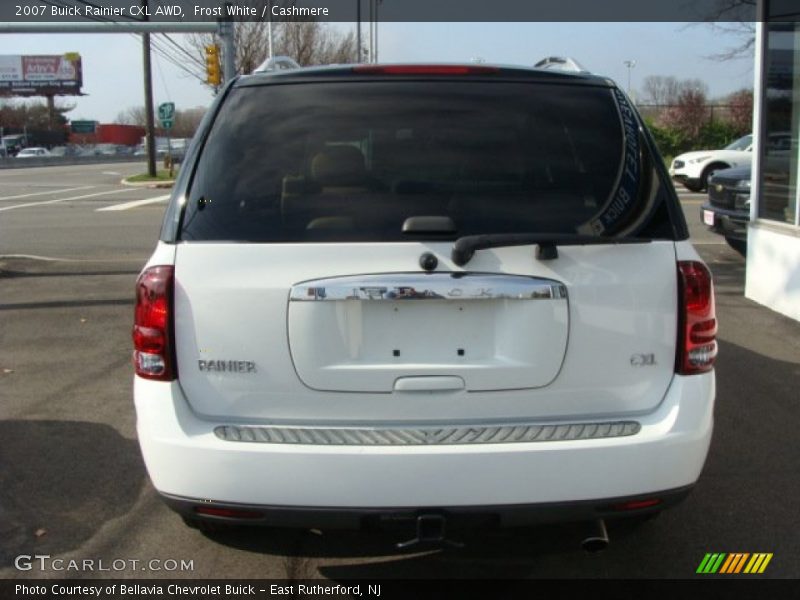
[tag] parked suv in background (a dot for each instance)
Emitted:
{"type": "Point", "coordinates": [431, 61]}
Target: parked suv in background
{"type": "Point", "coordinates": [693, 169]}
{"type": "Point", "coordinates": [416, 293]}
{"type": "Point", "coordinates": [727, 211]}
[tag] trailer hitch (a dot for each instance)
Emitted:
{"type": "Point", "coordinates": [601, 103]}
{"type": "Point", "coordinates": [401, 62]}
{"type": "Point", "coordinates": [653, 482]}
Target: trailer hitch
{"type": "Point", "coordinates": [431, 528]}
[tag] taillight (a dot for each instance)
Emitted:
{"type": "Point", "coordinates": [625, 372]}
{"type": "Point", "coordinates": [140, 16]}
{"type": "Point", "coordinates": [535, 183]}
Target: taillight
{"type": "Point", "coordinates": [697, 322]}
{"type": "Point", "coordinates": [152, 324]}
{"type": "Point", "coordinates": [425, 69]}
{"type": "Point", "coordinates": [636, 504]}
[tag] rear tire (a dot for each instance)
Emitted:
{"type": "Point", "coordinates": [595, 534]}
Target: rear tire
{"type": "Point", "coordinates": [739, 245]}
{"type": "Point", "coordinates": [707, 172]}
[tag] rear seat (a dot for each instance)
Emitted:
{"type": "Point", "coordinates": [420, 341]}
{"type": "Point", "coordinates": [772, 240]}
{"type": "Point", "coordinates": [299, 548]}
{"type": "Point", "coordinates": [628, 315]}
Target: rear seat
{"type": "Point", "coordinates": [337, 179]}
{"type": "Point", "coordinates": [340, 196]}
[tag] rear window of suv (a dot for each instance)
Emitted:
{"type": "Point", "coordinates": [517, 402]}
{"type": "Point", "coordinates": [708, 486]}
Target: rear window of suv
{"type": "Point", "coordinates": [334, 161]}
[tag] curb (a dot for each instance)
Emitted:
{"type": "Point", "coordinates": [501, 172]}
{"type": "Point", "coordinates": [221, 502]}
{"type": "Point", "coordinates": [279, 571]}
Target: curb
{"type": "Point", "coordinates": [148, 184]}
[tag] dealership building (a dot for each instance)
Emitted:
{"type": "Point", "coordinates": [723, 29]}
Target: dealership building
{"type": "Point", "coordinates": [773, 250]}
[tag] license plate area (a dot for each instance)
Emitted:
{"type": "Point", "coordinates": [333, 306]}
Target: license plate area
{"type": "Point", "coordinates": [708, 217]}
{"type": "Point", "coordinates": [437, 332]}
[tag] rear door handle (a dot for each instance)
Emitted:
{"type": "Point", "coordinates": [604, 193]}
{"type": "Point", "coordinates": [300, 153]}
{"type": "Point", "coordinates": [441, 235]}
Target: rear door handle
{"type": "Point", "coordinates": [429, 383]}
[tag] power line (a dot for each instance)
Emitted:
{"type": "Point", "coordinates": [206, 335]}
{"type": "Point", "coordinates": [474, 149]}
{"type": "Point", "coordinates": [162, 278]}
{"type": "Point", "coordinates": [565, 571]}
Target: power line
{"type": "Point", "coordinates": [163, 79]}
{"type": "Point", "coordinates": [183, 50]}
{"type": "Point", "coordinates": [171, 58]}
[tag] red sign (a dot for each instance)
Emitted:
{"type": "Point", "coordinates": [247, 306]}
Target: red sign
{"type": "Point", "coordinates": [40, 75]}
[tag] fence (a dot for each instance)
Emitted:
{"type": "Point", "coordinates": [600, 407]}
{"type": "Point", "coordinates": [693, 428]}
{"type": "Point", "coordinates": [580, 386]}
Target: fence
{"type": "Point", "coordinates": [719, 112]}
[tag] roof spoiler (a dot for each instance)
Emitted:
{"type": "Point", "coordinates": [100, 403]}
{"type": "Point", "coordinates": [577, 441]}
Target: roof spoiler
{"type": "Point", "coordinates": [560, 63]}
{"type": "Point", "coordinates": [277, 63]}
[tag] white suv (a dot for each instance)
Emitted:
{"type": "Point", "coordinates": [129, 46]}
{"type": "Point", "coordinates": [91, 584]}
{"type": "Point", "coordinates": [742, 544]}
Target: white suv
{"type": "Point", "coordinates": [419, 293]}
{"type": "Point", "coordinates": [693, 169]}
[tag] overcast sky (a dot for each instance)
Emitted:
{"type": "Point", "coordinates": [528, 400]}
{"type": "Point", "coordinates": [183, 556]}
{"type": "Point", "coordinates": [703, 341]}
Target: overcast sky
{"type": "Point", "coordinates": [112, 69]}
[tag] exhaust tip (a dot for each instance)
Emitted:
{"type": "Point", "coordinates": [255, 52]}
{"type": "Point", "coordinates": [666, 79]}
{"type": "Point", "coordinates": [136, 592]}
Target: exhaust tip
{"type": "Point", "coordinates": [597, 540]}
{"type": "Point", "coordinates": [593, 545]}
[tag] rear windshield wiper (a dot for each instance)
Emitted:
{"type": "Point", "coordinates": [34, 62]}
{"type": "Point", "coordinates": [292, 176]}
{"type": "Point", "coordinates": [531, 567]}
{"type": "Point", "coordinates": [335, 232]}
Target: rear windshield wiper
{"type": "Point", "coordinates": [464, 248]}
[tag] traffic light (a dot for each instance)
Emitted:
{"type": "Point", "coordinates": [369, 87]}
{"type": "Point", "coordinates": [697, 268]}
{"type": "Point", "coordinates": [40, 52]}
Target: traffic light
{"type": "Point", "coordinates": [213, 76]}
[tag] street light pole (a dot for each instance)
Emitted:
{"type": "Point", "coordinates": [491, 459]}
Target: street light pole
{"type": "Point", "coordinates": [269, 28]}
{"type": "Point", "coordinates": [630, 64]}
{"type": "Point", "coordinates": [377, 20]}
{"type": "Point", "coordinates": [226, 34]}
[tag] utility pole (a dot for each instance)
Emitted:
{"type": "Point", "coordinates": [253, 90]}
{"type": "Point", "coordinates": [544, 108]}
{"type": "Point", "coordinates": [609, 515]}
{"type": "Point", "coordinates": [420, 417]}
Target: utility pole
{"type": "Point", "coordinates": [51, 112]}
{"type": "Point", "coordinates": [148, 101]}
{"type": "Point", "coordinates": [358, 30]}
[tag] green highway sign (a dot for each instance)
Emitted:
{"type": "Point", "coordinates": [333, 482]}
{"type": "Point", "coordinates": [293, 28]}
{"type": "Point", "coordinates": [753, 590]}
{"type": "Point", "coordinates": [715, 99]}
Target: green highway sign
{"type": "Point", "coordinates": [83, 126]}
{"type": "Point", "coordinates": [167, 123]}
{"type": "Point", "coordinates": [166, 111]}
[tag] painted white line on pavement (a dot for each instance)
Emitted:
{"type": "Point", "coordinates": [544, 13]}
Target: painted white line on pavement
{"type": "Point", "coordinates": [134, 203]}
{"type": "Point", "coordinates": [140, 260]}
{"type": "Point", "coordinates": [75, 189]}
{"type": "Point", "coordinates": [57, 200]}
{"type": "Point", "coordinates": [110, 173]}
{"type": "Point", "coordinates": [37, 257]}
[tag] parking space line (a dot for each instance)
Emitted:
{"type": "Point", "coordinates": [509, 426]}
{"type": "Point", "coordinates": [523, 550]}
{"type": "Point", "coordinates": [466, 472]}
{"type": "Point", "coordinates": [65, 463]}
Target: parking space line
{"type": "Point", "coordinates": [57, 200]}
{"type": "Point", "coordinates": [126, 259]}
{"type": "Point", "coordinates": [37, 257]}
{"type": "Point", "coordinates": [134, 203]}
{"type": "Point", "coordinates": [75, 189]}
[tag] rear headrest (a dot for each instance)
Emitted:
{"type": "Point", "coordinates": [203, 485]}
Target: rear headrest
{"type": "Point", "coordinates": [339, 165]}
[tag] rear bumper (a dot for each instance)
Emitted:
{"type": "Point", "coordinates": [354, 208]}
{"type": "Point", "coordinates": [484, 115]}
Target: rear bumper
{"type": "Point", "coordinates": [188, 463]}
{"type": "Point", "coordinates": [504, 515]}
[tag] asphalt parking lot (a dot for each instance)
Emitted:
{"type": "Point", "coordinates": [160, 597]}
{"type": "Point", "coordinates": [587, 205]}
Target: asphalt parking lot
{"type": "Point", "coordinates": [73, 485]}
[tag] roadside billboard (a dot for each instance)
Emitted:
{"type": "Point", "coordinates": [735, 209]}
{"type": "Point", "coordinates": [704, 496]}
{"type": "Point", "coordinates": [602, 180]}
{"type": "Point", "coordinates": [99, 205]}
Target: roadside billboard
{"type": "Point", "coordinates": [40, 75]}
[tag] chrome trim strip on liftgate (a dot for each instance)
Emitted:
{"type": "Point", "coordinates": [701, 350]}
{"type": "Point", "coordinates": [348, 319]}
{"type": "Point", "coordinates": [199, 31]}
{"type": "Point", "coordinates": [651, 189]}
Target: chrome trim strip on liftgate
{"type": "Point", "coordinates": [426, 436]}
{"type": "Point", "coordinates": [430, 286]}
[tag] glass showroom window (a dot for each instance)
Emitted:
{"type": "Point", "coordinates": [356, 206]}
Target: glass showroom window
{"type": "Point", "coordinates": [781, 150]}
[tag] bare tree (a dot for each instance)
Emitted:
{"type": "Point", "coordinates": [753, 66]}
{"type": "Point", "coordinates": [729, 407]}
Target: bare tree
{"type": "Point", "coordinates": [32, 114]}
{"type": "Point", "coordinates": [185, 121]}
{"type": "Point", "coordinates": [662, 91]}
{"type": "Point", "coordinates": [741, 110]}
{"type": "Point", "coordinates": [307, 42]}
{"type": "Point", "coordinates": [135, 115]}
{"type": "Point", "coordinates": [312, 43]}
{"type": "Point", "coordinates": [735, 18]}
{"type": "Point", "coordinates": [688, 115]}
